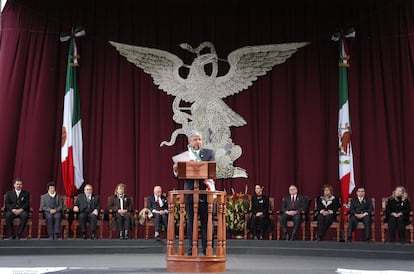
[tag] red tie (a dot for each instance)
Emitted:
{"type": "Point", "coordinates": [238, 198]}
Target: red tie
{"type": "Point", "coordinates": [158, 201]}
{"type": "Point", "coordinates": [293, 201]}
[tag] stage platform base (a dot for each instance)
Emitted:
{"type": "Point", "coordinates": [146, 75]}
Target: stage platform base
{"type": "Point", "coordinates": [253, 247]}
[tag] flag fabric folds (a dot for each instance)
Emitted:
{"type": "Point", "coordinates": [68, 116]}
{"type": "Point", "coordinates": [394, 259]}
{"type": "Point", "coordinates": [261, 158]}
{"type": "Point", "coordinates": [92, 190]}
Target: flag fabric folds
{"type": "Point", "coordinates": [346, 168]}
{"type": "Point", "coordinates": [71, 150]}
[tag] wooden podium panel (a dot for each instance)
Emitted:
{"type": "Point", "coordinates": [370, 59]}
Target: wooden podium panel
{"type": "Point", "coordinates": [197, 170]}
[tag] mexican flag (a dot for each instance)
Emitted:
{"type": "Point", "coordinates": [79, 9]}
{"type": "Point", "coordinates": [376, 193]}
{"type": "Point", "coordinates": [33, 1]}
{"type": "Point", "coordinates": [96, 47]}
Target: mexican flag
{"type": "Point", "coordinates": [71, 151]}
{"type": "Point", "coordinates": [346, 167]}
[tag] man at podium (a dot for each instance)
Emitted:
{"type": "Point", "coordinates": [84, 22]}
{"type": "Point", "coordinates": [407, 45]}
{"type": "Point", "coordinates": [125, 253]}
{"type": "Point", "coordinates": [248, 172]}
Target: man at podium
{"type": "Point", "coordinates": [196, 153]}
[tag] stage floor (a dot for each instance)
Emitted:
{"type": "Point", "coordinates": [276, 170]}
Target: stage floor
{"type": "Point", "coordinates": [236, 263]}
{"type": "Point", "coordinates": [148, 256]}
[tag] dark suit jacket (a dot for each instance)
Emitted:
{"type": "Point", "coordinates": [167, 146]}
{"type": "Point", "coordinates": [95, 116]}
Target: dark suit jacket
{"type": "Point", "coordinates": [261, 205]}
{"type": "Point", "coordinates": [330, 205]}
{"type": "Point", "coordinates": [46, 201]}
{"type": "Point", "coordinates": [205, 155]}
{"type": "Point", "coordinates": [398, 206]}
{"type": "Point", "coordinates": [301, 204]}
{"type": "Point", "coordinates": [356, 207]}
{"type": "Point", "coordinates": [153, 205]}
{"type": "Point", "coordinates": [114, 203]}
{"type": "Point", "coordinates": [83, 205]}
{"type": "Point", "coordinates": [12, 202]}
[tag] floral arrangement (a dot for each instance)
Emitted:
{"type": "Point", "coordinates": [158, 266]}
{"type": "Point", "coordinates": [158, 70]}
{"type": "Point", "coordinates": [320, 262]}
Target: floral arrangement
{"type": "Point", "coordinates": [177, 215]}
{"type": "Point", "coordinates": [237, 206]}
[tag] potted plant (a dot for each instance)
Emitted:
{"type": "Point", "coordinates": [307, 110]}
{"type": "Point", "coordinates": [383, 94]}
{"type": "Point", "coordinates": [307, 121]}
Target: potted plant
{"type": "Point", "coordinates": [237, 206]}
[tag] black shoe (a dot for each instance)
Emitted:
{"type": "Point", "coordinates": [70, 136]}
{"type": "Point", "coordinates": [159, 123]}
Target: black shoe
{"type": "Point", "coordinates": [190, 252]}
{"type": "Point", "coordinates": [349, 240]}
{"type": "Point", "coordinates": [84, 236]}
{"type": "Point", "coordinates": [157, 238]}
{"type": "Point", "coordinates": [12, 237]}
{"type": "Point", "coordinates": [51, 237]}
{"type": "Point", "coordinates": [318, 238]}
{"type": "Point", "coordinates": [254, 237]}
{"type": "Point", "coordinates": [204, 252]}
{"type": "Point", "coordinates": [286, 237]}
{"type": "Point", "coordinates": [261, 237]}
{"type": "Point", "coordinates": [56, 236]}
{"type": "Point", "coordinates": [18, 237]}
{"type": "Point", "coordinates": [93, 236]}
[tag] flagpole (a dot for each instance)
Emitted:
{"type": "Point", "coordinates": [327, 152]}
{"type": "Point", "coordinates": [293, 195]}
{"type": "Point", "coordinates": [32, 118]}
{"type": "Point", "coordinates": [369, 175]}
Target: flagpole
{"type": "Point", "coordinates": [345, 156]}
{"type": "Point", "coordinates": [72, 145]}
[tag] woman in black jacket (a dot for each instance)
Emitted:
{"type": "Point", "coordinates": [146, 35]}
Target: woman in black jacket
{"type": "Point", "coordinates": [326, 207]}
{"type": "Point", "coordinates": [398, 213]}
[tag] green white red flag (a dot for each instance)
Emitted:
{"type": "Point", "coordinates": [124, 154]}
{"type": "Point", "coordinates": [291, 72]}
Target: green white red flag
{"type": "Point", "coordinates": [71, 151]}
{"type": "Point", "coordinates": [346, 167]}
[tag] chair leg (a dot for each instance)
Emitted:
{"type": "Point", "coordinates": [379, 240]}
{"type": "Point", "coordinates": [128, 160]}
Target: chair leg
{"type": "Point", "coordinates": [146, 232]}
{"type": "Point", "coordinates": [101, 231]}
{"type": "Point", "coordinates": [65, 232]}
{"type": "Point", "coordinates": [30, 231]}
{"type": "Point", "coordinates": [39, 230]}
{"type": "Point", "coordinates": [373, 233]}
{"type": "Point", "coordinates": [278, 232]}
{"type": "Point", "coordinates": [338, 233]}
{"type": "Point", "coordinates": [303, 233]}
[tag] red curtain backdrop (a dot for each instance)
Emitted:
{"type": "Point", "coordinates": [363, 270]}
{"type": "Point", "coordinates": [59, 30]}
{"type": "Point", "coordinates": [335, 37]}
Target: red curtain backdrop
{"type": "Point", "coordinates": [291, 112]}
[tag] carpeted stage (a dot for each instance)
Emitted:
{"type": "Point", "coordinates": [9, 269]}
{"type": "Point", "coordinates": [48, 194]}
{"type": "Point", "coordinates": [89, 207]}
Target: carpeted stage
{"type": "Point", "coordinates": [253, 247]}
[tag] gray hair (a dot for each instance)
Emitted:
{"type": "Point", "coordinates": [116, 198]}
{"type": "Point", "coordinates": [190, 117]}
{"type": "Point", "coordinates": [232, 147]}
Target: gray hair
{"type": "Point", "coordinates": [194, 133]}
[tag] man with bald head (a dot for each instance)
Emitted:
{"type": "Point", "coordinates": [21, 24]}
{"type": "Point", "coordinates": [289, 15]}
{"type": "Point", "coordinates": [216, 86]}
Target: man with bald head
{"type": "Point", "coordinates": [158, 205]}
{"type": "Point", "coordinates": [87, 205]}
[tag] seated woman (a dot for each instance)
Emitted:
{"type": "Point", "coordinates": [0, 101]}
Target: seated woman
{"type": "Point", "coordinates": [326, 207]}
{"type": "Point", "coordinates": [122, 208]}
{"type": "Point", "coordinates": [51, 204]}
{"type": "Point", "coordinates": [260, 213]}
{"type": "Point", "coordinates": [397, 213]}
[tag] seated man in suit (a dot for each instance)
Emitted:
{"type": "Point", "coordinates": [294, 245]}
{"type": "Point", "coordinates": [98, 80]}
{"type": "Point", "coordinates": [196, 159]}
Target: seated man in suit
{"type": "Point", "coordinates": [122, 209]}
{"type": "Point", "coordinates": [17, 204]}
{"type": "Point", "coordinates": [158, 205]}
{"type": "Point", "coordinates": [360, 210]}
{"type": "Point", "coordinates": [88, 206]}
{"type": "Point", "coordinates": [292, 206]}
{"type": "Point", "coordinates": [51, 204]}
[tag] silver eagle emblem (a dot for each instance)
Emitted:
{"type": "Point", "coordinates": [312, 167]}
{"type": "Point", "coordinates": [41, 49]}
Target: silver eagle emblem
{"type": "Point", "coordinates": [198, 103]}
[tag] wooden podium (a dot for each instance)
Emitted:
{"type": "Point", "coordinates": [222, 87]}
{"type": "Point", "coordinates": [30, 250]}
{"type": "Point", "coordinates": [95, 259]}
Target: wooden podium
{"type": "Point", "coordinates": [215, 258]}
{"type": "Point", "coordinates": [197, 171]}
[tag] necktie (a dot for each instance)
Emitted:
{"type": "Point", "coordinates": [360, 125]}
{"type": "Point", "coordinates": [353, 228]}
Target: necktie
{"type": "Point", "coordinates": [293, 201]}
{"type": "Point", "coordinates": [158, 201]}
{"type": "Point", "coordinates": [121, 202]}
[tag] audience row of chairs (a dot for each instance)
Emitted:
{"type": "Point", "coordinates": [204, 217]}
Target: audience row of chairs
{"type": "Point", "coordinates": [70, 219]}
{"type": "Point", "coordinates": [308, 224]}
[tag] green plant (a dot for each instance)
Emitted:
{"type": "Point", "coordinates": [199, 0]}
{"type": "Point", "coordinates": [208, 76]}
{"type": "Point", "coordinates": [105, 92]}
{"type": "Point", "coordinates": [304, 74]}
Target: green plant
{"type": "Point", "coordinates": [236, 208]}
{"type": "Point", "coordinates": [177, 214]}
